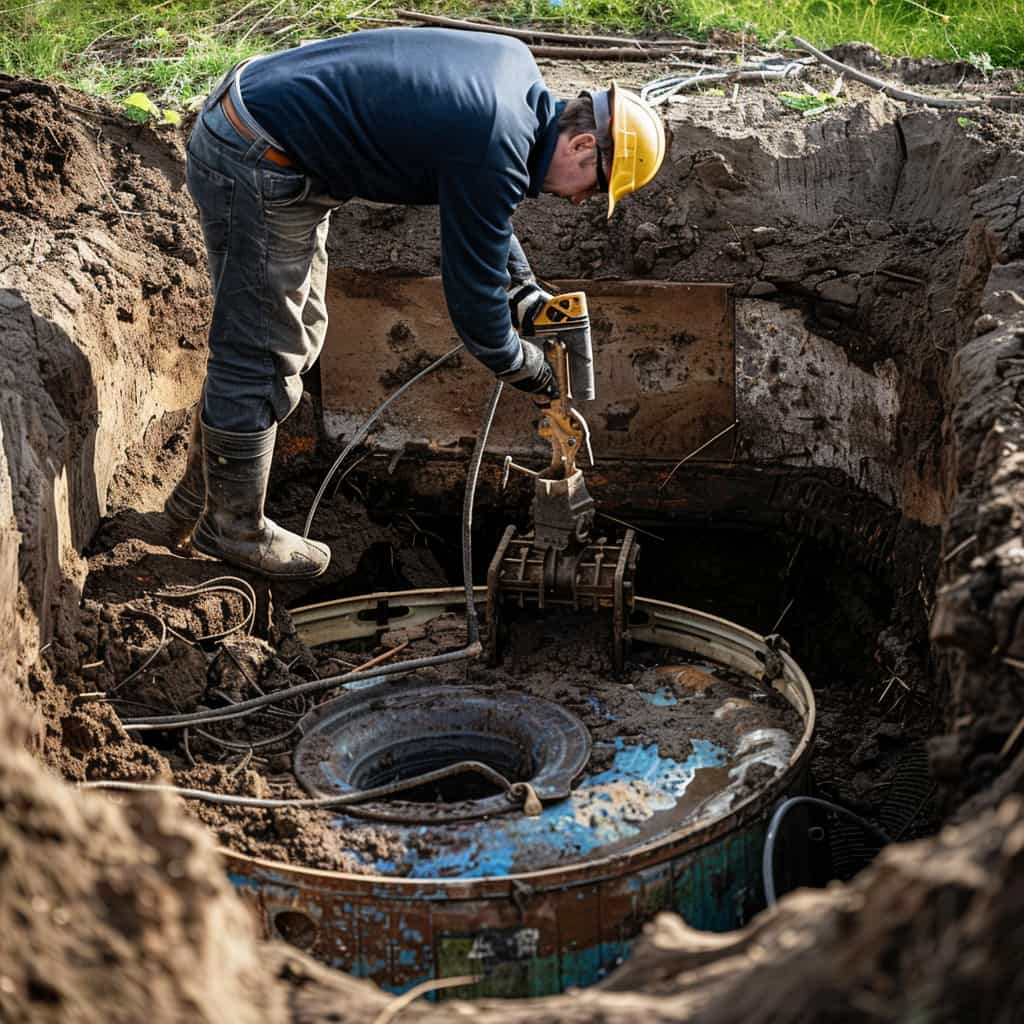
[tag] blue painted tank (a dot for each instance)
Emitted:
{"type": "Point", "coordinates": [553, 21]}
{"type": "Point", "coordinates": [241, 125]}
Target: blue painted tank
{"type": "Point", "coordinates": [534, 905]}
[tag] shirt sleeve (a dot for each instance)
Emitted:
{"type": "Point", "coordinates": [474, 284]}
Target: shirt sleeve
{"type": "Point", "coordinates": [519, 269]}
{"type": "Point", "coordinates": [476, 208]}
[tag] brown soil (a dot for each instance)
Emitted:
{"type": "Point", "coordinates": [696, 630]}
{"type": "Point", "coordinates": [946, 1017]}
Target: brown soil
{"type": "Point", "coordinates": [119, 909]}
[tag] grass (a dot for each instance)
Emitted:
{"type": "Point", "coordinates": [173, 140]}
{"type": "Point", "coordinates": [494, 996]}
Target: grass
{"type": "Point", "coordinates": [173, 50]}
{"type": "Point", "coordinates": [989, 32]}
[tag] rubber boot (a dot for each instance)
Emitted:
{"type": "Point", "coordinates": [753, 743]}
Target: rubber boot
{"type": "Point", "coordinates": [233, 527]}
{"type": "Point", "coordinates": [185, 504]}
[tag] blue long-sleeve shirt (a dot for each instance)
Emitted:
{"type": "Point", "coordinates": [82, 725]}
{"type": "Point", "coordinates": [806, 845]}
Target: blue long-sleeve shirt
{"type": "Point", "coordinates": [424, 116]}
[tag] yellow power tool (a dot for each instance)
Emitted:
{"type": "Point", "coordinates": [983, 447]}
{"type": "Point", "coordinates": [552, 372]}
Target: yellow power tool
{"type": "Point", "coordinates": [564, 326]}
{"type": "Point", "coordinates": [557, 563]}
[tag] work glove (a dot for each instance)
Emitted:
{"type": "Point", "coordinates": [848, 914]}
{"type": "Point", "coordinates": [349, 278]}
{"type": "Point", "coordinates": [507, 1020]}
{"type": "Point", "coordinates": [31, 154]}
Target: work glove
{"type": "Point", "coordinates": [534, 375]}
{"type": "Point", "coordinates": [525, 301]}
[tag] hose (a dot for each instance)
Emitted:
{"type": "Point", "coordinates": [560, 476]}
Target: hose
{"type": "Point", "coordinates": [346, 800]}
{"type": "Point", "coordinates": [471, 650]}
{"type": "Point", "coordinates": [768, 857]}
{"type": "Point", "coordinates": [361, 433]}
{"type": "Point", "coordinates": [663, 89]}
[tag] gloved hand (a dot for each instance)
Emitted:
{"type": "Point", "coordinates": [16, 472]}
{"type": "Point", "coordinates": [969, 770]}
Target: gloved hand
{"type": "Point", "coordinates": [525, 301]}
{"type": "Point", "coordinates": [534, 375]}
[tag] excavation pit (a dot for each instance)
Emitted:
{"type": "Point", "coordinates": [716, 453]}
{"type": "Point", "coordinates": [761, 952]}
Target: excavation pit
{"type": "Point", "coordinates": [873, 262]}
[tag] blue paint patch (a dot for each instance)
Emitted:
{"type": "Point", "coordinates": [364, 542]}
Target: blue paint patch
{"type": "Point", "coordinates": [661, 698]}
{"type": "Point", "coordinates": [362, 684]}
{"type": "Point", "coordinates": [607, 808]}
{"type": "Point", "coordinates": [598, 707]}
{"type": "Point", "coordinates": [362, 967]}
{"type": "Point", "coordinates": [244, 881]}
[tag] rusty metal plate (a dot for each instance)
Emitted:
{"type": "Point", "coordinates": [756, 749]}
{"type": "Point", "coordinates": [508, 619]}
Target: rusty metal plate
{"type": "Point", "coordinates": [665, 359]}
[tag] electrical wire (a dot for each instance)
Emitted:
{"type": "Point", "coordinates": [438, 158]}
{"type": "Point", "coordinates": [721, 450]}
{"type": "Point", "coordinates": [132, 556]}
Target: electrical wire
{"type": "Point", "coordinates": [152, 657]}
{"type": "Point", "coordinates": [346, 800]}
{"type": "Point", "coordinates": [244, 590]}
{"type": "Point", "coordinates": [361, 433]}
{"type": "Point", "coordinates": [252, 744]}
{"type": "Point", "coordinates": [215, 585]}
{"type": "Point", "coordinates": [663, 89]}
{"type": "Point", "coordinates": [768, 857]}
{"type": "Point", "coordinates": [471, 650]}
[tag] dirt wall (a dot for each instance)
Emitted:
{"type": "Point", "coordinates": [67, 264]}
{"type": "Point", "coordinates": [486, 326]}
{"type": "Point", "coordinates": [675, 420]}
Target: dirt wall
{"type": "Point", "coordinates": [851, 233]}
{"type": "Point", "coordinates": [103, 294]}
{"type": "Point", "coordinates": [107, 912]}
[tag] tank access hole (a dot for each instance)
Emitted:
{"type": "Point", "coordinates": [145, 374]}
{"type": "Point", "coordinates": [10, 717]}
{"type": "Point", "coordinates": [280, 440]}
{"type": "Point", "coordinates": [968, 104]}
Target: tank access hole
{"type": "Point", "coordinates": [377, 735]}
{"type": "Point", "coordinates": [409, 759]}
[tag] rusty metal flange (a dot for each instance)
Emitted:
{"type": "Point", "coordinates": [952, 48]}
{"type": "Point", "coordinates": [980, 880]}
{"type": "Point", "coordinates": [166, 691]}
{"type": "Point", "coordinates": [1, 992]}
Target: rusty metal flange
{"type": "Point", "coordinates": [397, 730]}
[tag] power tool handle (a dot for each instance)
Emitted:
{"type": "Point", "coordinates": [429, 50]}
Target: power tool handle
{"type": "Point", "coordinates": [581, 365]}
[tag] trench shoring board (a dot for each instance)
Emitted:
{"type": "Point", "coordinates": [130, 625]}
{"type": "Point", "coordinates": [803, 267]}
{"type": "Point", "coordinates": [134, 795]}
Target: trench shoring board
{"type": "Point", "coordinates": [664, 355]}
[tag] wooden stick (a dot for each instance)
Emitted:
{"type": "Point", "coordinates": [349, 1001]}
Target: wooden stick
{"type": "Point", "coordinates": [110, 195]}
{"type": "Point", "coordinates": [527, 33]}
{"type": "Point", "coordinates": [373, 662]}
{"type": "Point", "coordinates": [597, 53]}
{"type": "Point", "coordinates": [1011, 740]}
{"type": "Point", "coordinates": [901, 277]}
{"type": "Point", "coordinates": [1011, 103]}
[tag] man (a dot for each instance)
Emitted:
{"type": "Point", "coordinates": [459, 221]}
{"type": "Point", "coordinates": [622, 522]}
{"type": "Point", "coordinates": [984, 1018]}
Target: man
{"type": "Point", "coordinates": [420, 116]}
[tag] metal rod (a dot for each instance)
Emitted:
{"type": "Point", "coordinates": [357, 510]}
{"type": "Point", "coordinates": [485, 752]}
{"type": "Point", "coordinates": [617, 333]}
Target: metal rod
{"type": "Point", "coordinates": [697, 451]}
{"type": "Point", "coordinates": [778, 621]}
{"type": "Point", "coordinates": [636, 529]}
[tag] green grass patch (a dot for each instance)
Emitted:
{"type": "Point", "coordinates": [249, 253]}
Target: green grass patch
{"type": "Point", "coordinates": [173, 50]}
{"type": "Point", "coordinates": [986, 31]}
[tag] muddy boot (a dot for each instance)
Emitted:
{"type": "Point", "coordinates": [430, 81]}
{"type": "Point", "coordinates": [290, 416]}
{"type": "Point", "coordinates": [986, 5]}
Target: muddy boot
{"type": "Point", "coordinates": [233, 527]}
{"type": "Point", "coordinates": [185, 504]}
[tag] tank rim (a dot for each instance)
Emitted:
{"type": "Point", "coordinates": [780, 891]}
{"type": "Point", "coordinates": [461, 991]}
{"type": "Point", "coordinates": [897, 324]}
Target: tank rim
{"type": "Point", "coordinates": [653, 621]}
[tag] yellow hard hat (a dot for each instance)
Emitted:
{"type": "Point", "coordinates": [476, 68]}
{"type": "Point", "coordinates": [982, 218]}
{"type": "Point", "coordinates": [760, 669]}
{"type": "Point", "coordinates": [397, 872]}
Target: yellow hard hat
{"type": "Point", "coordinates": [637, 137]}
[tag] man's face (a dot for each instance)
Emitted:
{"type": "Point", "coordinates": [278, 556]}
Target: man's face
{"type": "Point", "coordinates": [573, 169]}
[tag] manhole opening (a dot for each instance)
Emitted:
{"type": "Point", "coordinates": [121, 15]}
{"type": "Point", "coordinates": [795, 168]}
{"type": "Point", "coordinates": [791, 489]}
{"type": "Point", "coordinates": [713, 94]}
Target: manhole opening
{"type": "Point", "coordinates": [412, 757]}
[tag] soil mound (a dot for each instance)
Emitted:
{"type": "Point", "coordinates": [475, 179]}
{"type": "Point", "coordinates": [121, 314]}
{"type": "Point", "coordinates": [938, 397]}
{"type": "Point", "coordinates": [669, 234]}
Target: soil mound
{"type": "Point", "coordinates": [108, 911]}
{"type": "Point", "coordinates": [114, 912]}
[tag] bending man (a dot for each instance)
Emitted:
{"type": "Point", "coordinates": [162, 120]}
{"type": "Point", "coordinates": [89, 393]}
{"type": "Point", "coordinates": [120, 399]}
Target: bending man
{"type": "Point", "coordinates": [462, 120]}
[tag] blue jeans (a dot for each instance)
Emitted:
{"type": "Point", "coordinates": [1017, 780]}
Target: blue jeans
{"type": "Point", "coordinates": [265, 228]}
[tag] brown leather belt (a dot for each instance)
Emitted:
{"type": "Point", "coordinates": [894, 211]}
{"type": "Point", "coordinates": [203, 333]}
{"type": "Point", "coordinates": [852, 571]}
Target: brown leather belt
{"type": "Point", "coordinates": [272, 154]}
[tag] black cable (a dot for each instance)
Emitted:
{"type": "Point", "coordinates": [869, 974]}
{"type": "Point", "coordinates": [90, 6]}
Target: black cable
{"type": "Point", "coordinates": [345, 800]}
{"type": "Point", "coordinates": [471, 650]}
{"type": "Point", "coordinates": [472, 476]}
{"type": "Point", "coordinates": [358, 436]}
{"type": "Point", "coordinates": [768, 857]}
